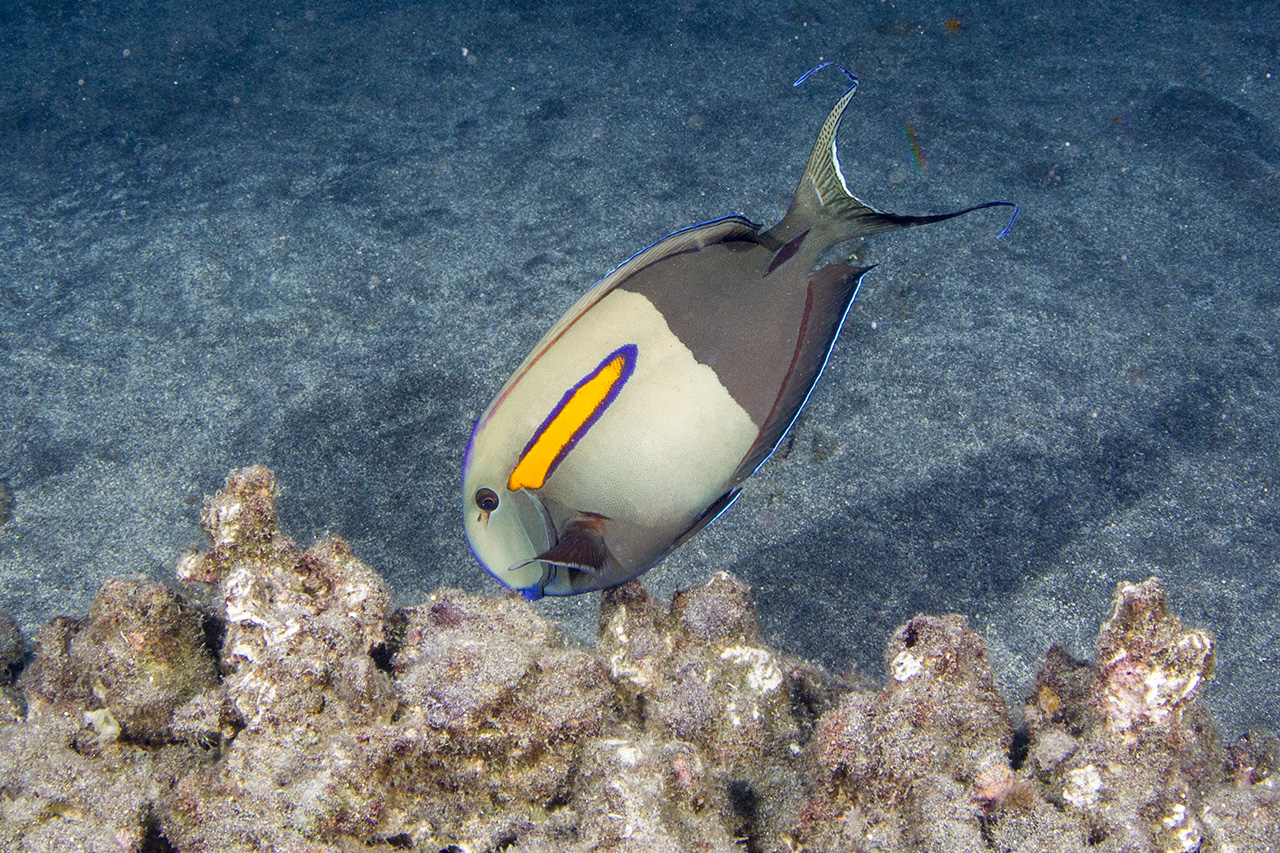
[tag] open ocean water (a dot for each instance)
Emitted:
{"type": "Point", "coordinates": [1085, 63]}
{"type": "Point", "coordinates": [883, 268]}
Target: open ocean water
{"type": "Point", "coordinates": [319, 236]}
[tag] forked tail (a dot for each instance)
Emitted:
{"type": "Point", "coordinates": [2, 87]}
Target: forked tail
{"type": "Point", "coordinates": [824, 199]}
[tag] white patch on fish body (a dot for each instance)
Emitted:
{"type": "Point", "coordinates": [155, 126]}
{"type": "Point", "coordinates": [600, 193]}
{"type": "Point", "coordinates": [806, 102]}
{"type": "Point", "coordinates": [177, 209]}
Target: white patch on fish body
{"type": "Point", "coordinates": [670, 440]}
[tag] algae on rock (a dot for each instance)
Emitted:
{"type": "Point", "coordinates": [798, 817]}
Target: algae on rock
{"type": "Point", "coordinates": [279, 704]}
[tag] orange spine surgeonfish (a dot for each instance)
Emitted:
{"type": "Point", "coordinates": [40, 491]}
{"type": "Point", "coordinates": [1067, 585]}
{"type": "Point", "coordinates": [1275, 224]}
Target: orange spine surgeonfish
{"type": "Point", "coordinates": [635, 419]}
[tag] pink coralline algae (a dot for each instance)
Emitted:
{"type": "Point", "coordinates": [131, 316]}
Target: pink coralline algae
{"type": "Point", "coordinates": [279, 703]}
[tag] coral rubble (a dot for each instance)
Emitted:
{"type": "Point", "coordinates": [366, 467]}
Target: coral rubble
{"type": "Point", "coordinates": [278, 703]}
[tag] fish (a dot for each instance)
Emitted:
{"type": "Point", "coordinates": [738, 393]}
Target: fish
{"type": "Point", "coordinates": [634, 421]}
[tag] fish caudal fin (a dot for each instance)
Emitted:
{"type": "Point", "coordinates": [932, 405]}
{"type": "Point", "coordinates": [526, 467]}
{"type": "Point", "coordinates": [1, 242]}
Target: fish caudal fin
{"type": "Point", "coordinates": [823, 198]}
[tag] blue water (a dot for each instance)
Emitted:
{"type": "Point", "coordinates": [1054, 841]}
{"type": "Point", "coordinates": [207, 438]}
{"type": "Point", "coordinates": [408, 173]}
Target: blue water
{"type": "Point", "coordinates": [318, 236]}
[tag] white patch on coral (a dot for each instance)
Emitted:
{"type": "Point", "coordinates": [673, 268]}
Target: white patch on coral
{"type": "Point", "coordinates": [1185, 834]}
{"type": "Point", "coordinates": [764, 675]}
{"type": "Point", "coordinates": [1177, 816]}
{"type": "Point", "coordinates": [1153, 695]}
{"type": "Point", "coordinates": [225, 521]}
{"type": "Point", "coordinates": [1120, 655]}
{"type": "Point", "coordinates": [630, 755]}
{"type": "Point", "coordinates": [189, 565]}
{"type": "Point", "coordinates": [617, 623]}
{"type": "Point", "coordinates": [1082, 786]}
{"type": "Point", "coordinates": [102, 722]}
{"type": "Point", "coordinates": [905, 666]}
{"type": "Point", "coordinates": [622, 666]}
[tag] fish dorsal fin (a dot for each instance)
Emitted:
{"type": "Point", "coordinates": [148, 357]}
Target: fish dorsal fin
{"type": "Point", "coordinates": [727, 229]}
{"type": "Point", "coordinates": [831, 291]}
{"type": "Point", "coordinates": [581, 546]}
{"type": "Point", "coordinates": [691, 239]}
{"type": "Point", "coordinates": [823, 199]}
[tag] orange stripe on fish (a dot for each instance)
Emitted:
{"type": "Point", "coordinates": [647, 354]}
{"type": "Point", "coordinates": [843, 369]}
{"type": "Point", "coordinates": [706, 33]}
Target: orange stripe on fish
{"type": "Point", "coordinates": [580, 407]}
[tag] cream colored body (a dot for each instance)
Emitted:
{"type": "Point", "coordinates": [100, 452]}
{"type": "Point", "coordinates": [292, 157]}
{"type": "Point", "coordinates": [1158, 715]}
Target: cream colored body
{"type": "Point", "coordinates": [647, 461]}
{"type": "Point", "coordinates": [634, 420]}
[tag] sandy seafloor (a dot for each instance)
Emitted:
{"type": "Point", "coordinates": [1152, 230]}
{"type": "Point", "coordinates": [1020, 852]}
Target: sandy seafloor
{"type": "Point", "coordinates": [318, 236]}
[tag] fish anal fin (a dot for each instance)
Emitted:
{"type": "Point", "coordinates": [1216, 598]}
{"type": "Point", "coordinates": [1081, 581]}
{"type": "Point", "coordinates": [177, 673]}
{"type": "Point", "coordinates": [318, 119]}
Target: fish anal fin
{"type": "Point", "coordinates": [831, 291]}
{"type": "Point", "coordinates": [710, 514]}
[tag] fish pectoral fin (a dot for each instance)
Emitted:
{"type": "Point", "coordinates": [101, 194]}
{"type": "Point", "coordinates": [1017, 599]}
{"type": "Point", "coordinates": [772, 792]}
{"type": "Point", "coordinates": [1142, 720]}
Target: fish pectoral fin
{"type": "Point", "coordinates": [581, 546]}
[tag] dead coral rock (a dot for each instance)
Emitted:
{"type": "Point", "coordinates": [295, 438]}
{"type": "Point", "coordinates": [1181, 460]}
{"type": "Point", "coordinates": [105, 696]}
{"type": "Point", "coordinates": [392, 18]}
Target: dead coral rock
{"type": "Point", "coordinates": [240, 520]}
{"type": "Point", "coordinates": [1242, 820]}
{"type": "Point", "coordinates": [1058, 710]}
{"type": "Point", "coordinates": [142, 654]}
{"type": "Point", "coordinates": [270, 591]}
{"type": "Point", "coordinates": [938, 733]}
{"type": "Point", "coordinates": [51, 683]}
{"type": "Point", "coordinates": [700, 672]}
{"type": "Point", "coordinates": [467, 723]}
{"type": "Point", "coordinates": [1151, 669]}
{"type": "Point", "coordinates": [1121, 745]}
{"type": "Point", "coordinates": [1026, 823]}
{"type": "Point", "coordinates": [474, 735]}
{"type": "Point", "coordinates": [311, 761]}
{"type": "Point", "coordinates": [206, 720]}
{"type": "Point", "coordinates": [940, 714]}
{"type": "Point", "coordinates": [720, 611]}
{"type": "Point", "coordinates": [500, 710]}
{"type": "Point", "coordinates": [463, 655]}
{"type": "Point", "coordinates": [1062, 692]}
{"type": "Point", "coordinates": [59, 796]}
{"type": "Point", "coordinates": [944, 817]}
{"type": "Point", "coordinates": [639, 795]}
{"type": "Point", "coordinates": [127, 667]}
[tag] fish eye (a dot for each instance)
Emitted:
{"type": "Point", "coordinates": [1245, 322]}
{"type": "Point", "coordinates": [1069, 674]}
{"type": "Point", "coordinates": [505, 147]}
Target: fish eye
{"type": "Point", "coordinates": [486, 499]}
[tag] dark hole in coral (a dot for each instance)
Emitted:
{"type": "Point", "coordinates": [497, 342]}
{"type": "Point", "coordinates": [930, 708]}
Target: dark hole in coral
{"type": "Point", "coordinates": [215, 631]}
{"type": "Point", "coordinates": [452, 848]}
{"type": "Point", "coordinates": [1097, 835]}
{"type": "Point", "coordinates": [503, 842]}
{"type": "Point", "coordinates": [561, 799]}
{"type": "Point", "coordinates": [807, 703]}
{"type": "Point", "coordinates": [155, 842]}
{"type": "Point", "coordinates": [401, 841]}
{"type": "Point", "coordinates": [382, 657]}
{"type": "Point", "coordinates": [10, 673]}
{"type": "Point", "coordinates": [987, 828]}
{"type": "Point", "coordinates": [742, 799]}
{"type": "Point", "coordinates": [1019, 749]}
{"type": "Point", "coordinates": [909, 636]}
{"type": "Point", "coordinates": [384, 654]}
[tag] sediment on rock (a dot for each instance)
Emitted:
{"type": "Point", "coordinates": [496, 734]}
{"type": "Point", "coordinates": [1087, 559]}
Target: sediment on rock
{"type": "Point", "coordinates": [277, 702]}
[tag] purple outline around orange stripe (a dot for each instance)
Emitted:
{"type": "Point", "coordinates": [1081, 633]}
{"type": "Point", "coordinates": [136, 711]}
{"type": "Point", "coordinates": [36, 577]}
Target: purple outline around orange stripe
{"type": "Point", "coordinates": [628, 354]}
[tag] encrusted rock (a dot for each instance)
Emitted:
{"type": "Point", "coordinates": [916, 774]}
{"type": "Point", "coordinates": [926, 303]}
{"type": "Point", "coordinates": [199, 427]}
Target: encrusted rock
{"type": "Point", "coordinates": [298, 714]}
{"type": "Point", "coordinates": [1151, 670]}
{"type": "Point", "coordinates": [636, 794]}
{"type": "Point", "coordinates": [701, 673]}
{"type": "Point", "coordinates": [127, 667]}
{"type": "Point", "coordinates": [13, 649]}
